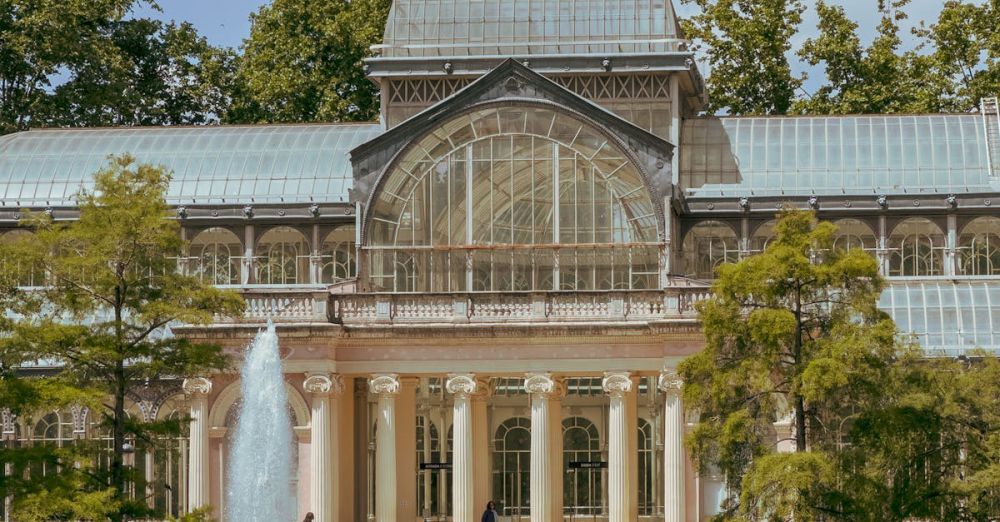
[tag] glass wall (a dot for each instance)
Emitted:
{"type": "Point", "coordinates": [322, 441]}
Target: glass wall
{"type": "Point", "coordinates": [513, 199]}
{"type": "Point", "coordinates": [916, 248]}
{"type": "Point", "coordinates": [979, 247]}
{"type": "Point", "coordinates": [215, 256]}
{"type": "Point", "coordinates": [708, 245]}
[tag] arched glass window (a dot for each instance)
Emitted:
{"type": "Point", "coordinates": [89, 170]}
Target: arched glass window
{"type": "Point", "coordinates": [169, 456]}
{"type": "Point", "coordinates": [707, 246]}
{"type": "Point", "coordinates": [215, 257]}
{"type": "Point", "coordinates": [581, 485]}
{"type": "Point", "coordinates": [26, 275]}
{"type": "Point", "coordinates": [282, 258]}
{"type": "Point", "coordinates": [647, 482]}
{"type": "Point", "coordinates": [338, 256]}
{"type": "Point", "coordinates": [852, 234]}
{"type": "Point", "coordinates": [979, 247]}
{"type": "Point", "coordinates": [511, 466]}
{"type": "Point", "coordinates": [916, 248]}
{"type": "Point", "coordinates": [428, 480]}
{"type": "Point", "coordinates": [497, 199]}
{"type": "Point", "coordinates": [762, 236]}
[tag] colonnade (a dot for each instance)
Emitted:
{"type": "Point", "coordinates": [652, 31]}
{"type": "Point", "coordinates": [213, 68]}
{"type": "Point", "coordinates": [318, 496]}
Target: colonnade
{"type": "Point", "coordinates": [470, 467]}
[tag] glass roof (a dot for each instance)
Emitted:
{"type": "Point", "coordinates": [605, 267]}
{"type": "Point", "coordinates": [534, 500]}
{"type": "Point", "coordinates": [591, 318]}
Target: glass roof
{"type": "Point", "coordinates": [528, 27]}
{"type": "Point", "coordinates": [210, 165]}
{"type": "Point", "coordinates": [943, 153]}
{"type": "Point", "coordinates": [947, 317]}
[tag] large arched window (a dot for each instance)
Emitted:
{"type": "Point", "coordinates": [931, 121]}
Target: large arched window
{"type": "Point", "coordinates": [707, 246]}
{"type": "Point", "coordinates": [647, 481]}
{"type": "Point", "coordinates": [512, 199]}
{"type": "Point", "coordinates": [511, 466]}
{"type": "Point", "coordinates": [338, 256]}
{"type": "Point", "coordinates": [979, 247]}
{"type": "Point", "coordinates": [429, 478]}
{"type": "Point", "coordinates": [916, 248]}
{"type": "Point", "coordinates": [762, 236]}
{"type": "Point", "coordinates": [215, 257]}
{"type": "Point", "coordinates": [581, 483]}
{"type": "Point", "coordinates": [282, 257]}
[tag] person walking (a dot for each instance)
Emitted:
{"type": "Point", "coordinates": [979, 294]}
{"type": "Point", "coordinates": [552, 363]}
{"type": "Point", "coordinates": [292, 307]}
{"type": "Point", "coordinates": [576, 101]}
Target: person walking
{"type": "Point", "coordinates": [309, 517]}
{"type": "Point", "coordinates": [491, 515]}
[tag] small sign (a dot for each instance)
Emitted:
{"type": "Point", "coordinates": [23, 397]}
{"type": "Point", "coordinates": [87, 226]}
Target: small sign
{"type": "Point", "coordinates": [588, 464]}
{"type": "Point", "coordinates": [435, 465]}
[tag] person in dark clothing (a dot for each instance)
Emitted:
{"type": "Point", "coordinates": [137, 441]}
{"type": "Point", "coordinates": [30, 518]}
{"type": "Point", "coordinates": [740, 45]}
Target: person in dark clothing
{"type": "Point", "coordinates": [491, 515]}
{"type": "Point", "coordinates": [309, 517]}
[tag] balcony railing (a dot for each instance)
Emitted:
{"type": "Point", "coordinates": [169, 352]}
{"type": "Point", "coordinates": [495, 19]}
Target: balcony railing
{"type": "Point", "coordinates": [513, 307]}
{"type": "Point", "coordinates": [282, 305]}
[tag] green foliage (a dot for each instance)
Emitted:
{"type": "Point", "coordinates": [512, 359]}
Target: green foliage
{"type": "Point", "coordinates": [85, 62]}
{"type": "Point", "coordinates": [303, 62]}
{"type": "Point", "coordinates": [112, 288]}
{"type": "Point", "coordinates": [881, 432]}
{"type": "Point", "coordinates": [747, 44]}
{"type": "Point", "coordinates": [966, 51]}
{"type": "Point", "coordinates": [875, 79]}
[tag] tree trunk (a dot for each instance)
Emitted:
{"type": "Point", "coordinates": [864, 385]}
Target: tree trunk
{"type": "Point", "coordinates": [800, 408]}
{"type": "Point", "coordinates": [118, 429]}
{"type": "Point", "coordinates": [800, 423]}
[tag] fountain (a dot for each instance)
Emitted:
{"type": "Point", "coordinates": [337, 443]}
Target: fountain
{"type": "Point", "coordinates": [260, 464]}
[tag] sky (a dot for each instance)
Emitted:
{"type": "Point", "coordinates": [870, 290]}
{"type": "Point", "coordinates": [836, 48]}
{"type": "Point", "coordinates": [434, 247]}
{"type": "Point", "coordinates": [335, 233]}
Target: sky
{"type": "Point", "coordinates": [227, 23]}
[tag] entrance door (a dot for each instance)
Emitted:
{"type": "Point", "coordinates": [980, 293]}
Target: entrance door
{"type": "Point", "coordinates": [511, 468]}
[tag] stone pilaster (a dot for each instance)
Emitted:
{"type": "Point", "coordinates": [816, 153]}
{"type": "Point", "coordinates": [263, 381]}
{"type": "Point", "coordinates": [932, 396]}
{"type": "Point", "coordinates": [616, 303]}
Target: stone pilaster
{"type": "Point", "coordinates": [617, 385]}
{"type": "Point", "coordinates": [673, 447]}
{"type": "Point", "coordinates": [462, 387]}
{"type": "Point", "coordinates": [197, 390]}
{"type": "Point", "coordinates": [385, 387]}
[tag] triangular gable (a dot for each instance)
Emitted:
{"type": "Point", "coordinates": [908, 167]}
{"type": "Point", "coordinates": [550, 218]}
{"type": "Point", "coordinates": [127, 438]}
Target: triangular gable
{"type": "Point", "coordinates": [511, 82]}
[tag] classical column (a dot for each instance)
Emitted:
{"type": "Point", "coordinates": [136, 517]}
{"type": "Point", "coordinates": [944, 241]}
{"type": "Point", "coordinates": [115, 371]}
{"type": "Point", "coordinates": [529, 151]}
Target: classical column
{"type": "Point", "coordinates": [480, 445]}
{"type": "Point", "coordinates": [197, 390]}
{"type": "Point", "coordinates": [462, 386]}
{"type": "Point", "coordinates": [673, 447]}
{"type": "Point", "coordinates": [539, 386]}
{"type": "Point", "coordinates": [617, 385]}
{"type": "Point", "coordinates": [385, 387]}
{"type": "Point", "coordinates": [322, 489]}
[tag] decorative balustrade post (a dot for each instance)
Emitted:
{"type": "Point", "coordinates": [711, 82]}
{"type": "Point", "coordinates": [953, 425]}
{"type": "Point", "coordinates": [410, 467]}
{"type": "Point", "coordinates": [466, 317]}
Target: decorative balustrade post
{"type": "Point", "coordinates": [617, 385]}
{"type": "Point", "coordinates": [197, 390]}
{"type": "Point", "coordinates": [385, 387]}
{"type": "Point", "coordinates": [673, 447]}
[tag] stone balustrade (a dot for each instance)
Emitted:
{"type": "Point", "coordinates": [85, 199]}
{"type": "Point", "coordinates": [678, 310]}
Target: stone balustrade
{"type": "Point", "coordinates": [282, 305]}
{"type": "Point", "coordinates": [513, 307]}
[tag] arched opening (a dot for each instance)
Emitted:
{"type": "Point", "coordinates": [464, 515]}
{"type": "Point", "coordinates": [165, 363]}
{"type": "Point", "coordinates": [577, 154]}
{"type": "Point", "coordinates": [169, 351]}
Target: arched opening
{"type": "Point", "coordinates": [707, 246]}
{"type": "Point", "coordinates": [512, 199]}
{"type": "Point", "coordinates": [430, 479]}
{"type": "Point", "coordinates": [916, 249]}
{"type": "Point", "coordinates": [511, 466]}
{"type": "Point", "coordinates": [979, 247]}
{"type": "Point", "coordinates": [26, 274]}
{"type": "Point", "coordinates": [338, 256]}
{"type": "Point", "coordinates": [282, 258]}
{"type": "Point", "coordinates": [215, 256]}
{"type": "Point", "coordinates": [647, 480]}
{"type": "Point", "coordinates": [581, 483]}
{"type": "Point", "coordinates": [853, 234]}
{"type": "Point", "coordinates": [762, 236]}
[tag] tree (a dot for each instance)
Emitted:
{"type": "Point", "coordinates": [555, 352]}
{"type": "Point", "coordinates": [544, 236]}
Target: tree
{"type": "Point", "coordinates": [303, 62]}
{"type": "Point", "coordinates": [85, 63]}
{"type": "Point", "coordinates": [877, 79]}
{"type": "Point", "coordinates": [146, 73]}
{"type": "Point", "coordinates": [748, 42]}
{"type": "Point", "coordinates": [792, 333]}
{"type": "Point", "coordinates": [112, 289]}
{"type": "Point", "coordinates": [966, 43]}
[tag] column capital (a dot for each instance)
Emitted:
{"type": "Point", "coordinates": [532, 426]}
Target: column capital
{"type": "Point", "coordinates": [197, 386]}
{"type": "Point", "coordinates": [323, 384]}
{"type": "Point", "coordinates": [540, 384]}
{"type": "Point", "coordinates": [670, 381]}
{"type": "Point", "coordinates": [462, 385]}
{"type": "Point", "coordinates": [385, 384]}
{"type": "Point", "coordinates": [617, 384]}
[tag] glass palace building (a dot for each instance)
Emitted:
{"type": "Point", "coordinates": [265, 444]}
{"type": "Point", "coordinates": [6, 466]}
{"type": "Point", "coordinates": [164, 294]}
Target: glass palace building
{"type": "Point", "coordinates": [484, 295]}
